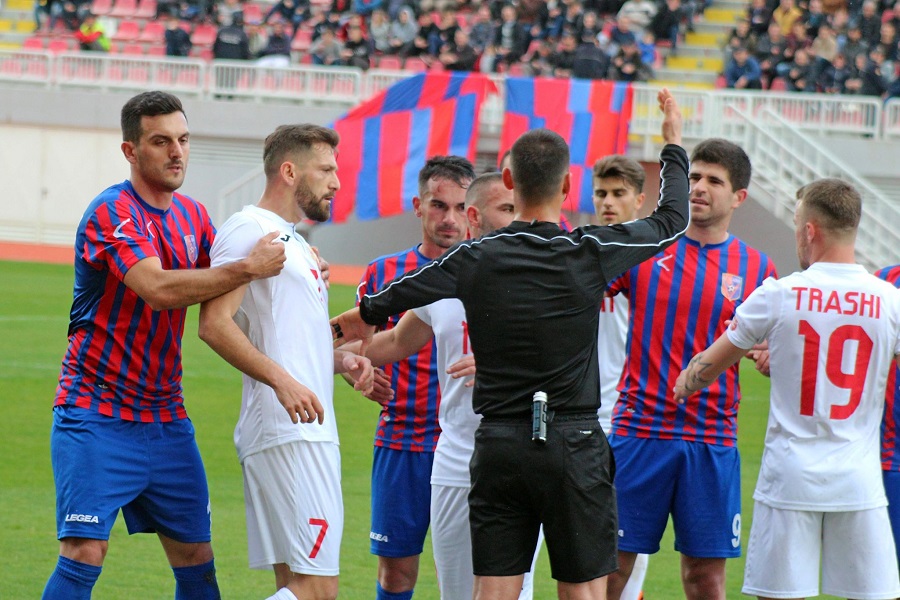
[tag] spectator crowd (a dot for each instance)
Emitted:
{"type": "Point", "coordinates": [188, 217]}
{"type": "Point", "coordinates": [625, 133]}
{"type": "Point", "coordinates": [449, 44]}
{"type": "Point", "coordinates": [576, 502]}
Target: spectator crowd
{"type": "Point", "coordinates": [830, 46]}
{"type": "Point", "coordinates": [824, 46]}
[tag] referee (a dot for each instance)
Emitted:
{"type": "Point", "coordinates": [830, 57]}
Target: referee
{"type": "Point", "coordinates": [531, 292]}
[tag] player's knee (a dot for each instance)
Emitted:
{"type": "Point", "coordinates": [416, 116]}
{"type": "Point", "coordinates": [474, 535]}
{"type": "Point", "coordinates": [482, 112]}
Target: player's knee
{"type": "Point", "coordinates": [398, 574]}
{"type": "Point", "coordinates": [703, 579]}
{"type": "Point", "coordinates": [91, 552]}
{"type": "Point", "coordinates": [310, 587]}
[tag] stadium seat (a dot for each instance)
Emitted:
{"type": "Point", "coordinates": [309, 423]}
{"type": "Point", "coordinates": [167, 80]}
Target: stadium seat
{"type": "Point", "coordinates": [778, 85]}
{"type": "Point", "coordinates": [133, 50]}
{"type": "Point", "coordinates": [60, 45]}
{"type": "Point", "coordinates": [204, 35]}
{"type": "Point", "coordinates": [101, 7]}
{"type": "Point", "coordinates": [415, 64]}
{"type": "Point", "coordinates": [391, 63]}
{"type": "Point", "coordinates": [128, 31]}
{"type": "Point", "coordinates": [302, 41]}
{"type": "Point", "coordinates": [156, 50]}
{"type": "Point", "coordinates": [124, 9]}
{"type": "Point", "coordinates": [33, 43]}
{"type": "Point", "coordinates": [146, 9]}
{"type": "Point", "coordinates": [154, 32]}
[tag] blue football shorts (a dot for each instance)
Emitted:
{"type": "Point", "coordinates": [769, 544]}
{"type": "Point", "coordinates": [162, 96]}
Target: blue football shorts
{"type": "Point", "coordinates": [892, 490]}
{"type": "Point", "coordinates": [401, 502]}
{"type": "Point", "coordinates": [698, 484]}
{"type": "Point", "coordinates": [152, 471]}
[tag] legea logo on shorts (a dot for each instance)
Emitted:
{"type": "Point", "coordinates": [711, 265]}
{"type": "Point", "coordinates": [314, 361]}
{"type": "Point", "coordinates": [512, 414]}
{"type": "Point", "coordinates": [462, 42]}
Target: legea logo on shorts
{"type": "Point", "coordinates": [70, 518]}
{"type": "Point", "coordinates": [378, 537]}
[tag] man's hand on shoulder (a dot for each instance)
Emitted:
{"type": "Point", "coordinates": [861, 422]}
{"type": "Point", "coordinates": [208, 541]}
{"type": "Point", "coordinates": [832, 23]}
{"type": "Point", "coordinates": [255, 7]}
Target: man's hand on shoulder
{"type": "Point", "coordinates": [267, 257]}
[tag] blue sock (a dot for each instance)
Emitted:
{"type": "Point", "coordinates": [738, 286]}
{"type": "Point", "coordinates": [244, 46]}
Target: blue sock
{"type": "Point", "coordinates": [72, 580]}
{"type": "Point", "coordinates": [197, 582]}
{"type": "Point", "coordinates": [380, 594]}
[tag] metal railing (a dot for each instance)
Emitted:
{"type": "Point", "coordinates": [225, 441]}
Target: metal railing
{"type": "Point", "coordinates": [785, 158]}
{"type": "Point", "coordinates": [119, 72]}
{"type": "Point", "coordinates": [891, 120]}
{"type": "Point", "coordinates": [705, 111]}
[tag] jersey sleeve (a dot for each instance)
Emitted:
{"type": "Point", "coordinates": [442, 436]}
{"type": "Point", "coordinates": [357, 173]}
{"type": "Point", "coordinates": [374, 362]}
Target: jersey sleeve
{"type": "Point", "coordinates": [116, 239]}
{"type": "Point", "coordinates": [235, 241]}
{"type": "Point", "coordinates": [207, 238]}
{"type": "Point", "coordinates": [625, 245]}
{"type": "Point", "coordinates": [429, 283]}
{"type": "Point", "coordinates": [753, 319]}
{"type": "Point", "coordinates": [367, 283]}
{"type": "Point", "coordinates": [424, 314]}
{"type": "Point", "coordinates": [619, 285]}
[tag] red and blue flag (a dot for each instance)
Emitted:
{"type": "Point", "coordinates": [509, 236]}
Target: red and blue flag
{"type": "Point", "coordinates": [592, 115]}
{"type": "Point", "coordinates": [387, 139]}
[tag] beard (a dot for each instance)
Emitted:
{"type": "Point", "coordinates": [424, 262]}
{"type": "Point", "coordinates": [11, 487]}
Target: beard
{"type": "Point", "coordinates": [314, 207]}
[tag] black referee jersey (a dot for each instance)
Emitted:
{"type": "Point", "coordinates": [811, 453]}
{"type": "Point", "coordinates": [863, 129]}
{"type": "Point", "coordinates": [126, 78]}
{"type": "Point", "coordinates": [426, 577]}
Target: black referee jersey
{"type": "Point", "coordinates": [532, 296]}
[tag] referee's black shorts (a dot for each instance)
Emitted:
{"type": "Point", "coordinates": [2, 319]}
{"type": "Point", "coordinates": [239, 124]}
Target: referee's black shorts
{"type": "Point", "coordinates": [564, 484]}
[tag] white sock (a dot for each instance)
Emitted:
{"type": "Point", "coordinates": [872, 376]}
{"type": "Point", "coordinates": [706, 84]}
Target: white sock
{"type": "Point", "coordinates": [283, 594]}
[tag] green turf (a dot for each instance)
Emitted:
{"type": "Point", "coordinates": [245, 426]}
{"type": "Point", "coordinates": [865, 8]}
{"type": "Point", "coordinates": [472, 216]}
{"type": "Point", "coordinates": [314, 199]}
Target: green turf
{"type": "Point", "coordinates": [34, 305]}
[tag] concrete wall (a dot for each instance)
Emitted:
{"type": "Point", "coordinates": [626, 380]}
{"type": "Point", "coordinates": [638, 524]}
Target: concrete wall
{"type": "Point", "coordinates": [58, 150]}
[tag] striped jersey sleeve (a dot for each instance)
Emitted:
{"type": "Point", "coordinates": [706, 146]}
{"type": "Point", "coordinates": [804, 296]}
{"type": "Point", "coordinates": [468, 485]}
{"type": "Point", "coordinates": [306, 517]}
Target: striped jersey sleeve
{"type": "Point", "coordinates": [890, 451]}
{"type": "Point", "coordinates": [679, 301]}
{"type": "Point", "coordinates": [410, 420]}
{"type": "Point", "coordinates": [123, 358]}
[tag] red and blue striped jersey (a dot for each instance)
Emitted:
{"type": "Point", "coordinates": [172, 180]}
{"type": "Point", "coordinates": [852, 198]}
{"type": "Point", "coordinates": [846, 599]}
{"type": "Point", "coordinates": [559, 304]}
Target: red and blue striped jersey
{"type": "Point", "coordinates": [123, 358]}
{"type": "Point", "coordinates": [410, 420]}
{"type": "Point", "coordinates": [679, 301]}
{"type": "Point", "coordinates": [890, 452]}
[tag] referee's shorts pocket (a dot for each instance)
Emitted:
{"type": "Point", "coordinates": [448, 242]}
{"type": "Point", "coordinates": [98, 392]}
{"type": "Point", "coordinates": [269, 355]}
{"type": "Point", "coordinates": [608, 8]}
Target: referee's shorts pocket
{"type": "Point", "coordinates": [588, 459]}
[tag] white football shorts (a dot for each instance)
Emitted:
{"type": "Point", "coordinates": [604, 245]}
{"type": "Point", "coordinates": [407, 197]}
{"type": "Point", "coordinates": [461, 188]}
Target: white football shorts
{"type": "Point", "coordinates": [451, 540]}
{"type": "Point", "coordinates": [295, 513]}
{"type": "Point", "coordinates": [856, 549]}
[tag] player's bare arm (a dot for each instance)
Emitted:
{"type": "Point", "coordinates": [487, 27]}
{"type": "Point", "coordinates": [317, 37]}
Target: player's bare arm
{"type": "Point", "coordinates": [409, 336]}
{"type": "Point", "coordinates": [706, 366]}
{"type": "Point", "coordinates": [359, 368]}
{"type": "Point", "coordinates": [672, 120]}
{"type": "Point", "coordinates": [349, 327]}
{"type": "Point", "coordinates": [221, 333]}
{"type": "Point", "coordinates": [164, 289]}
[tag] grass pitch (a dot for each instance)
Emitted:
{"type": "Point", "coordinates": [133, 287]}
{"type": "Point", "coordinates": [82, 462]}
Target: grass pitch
{"type": "Point", "coordinates": [34, 307]}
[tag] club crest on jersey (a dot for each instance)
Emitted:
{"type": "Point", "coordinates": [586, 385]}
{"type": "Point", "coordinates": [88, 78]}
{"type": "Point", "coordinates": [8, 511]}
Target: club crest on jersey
{"type": "Point", "coordinates": [190, 243]}
{"type": "Point", "coordinates": [732, 286]}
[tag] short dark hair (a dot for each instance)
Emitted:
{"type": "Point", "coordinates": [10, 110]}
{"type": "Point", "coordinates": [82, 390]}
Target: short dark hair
{"type": "Point", "coordinates": [618, 166]}
{"type": "Point", "coordinates": [479, 183]}
{"type": "Point", "coordinates": [716, 151]}
{"type": "Point", "coordinates": [147, 104]}
{"type": "Point", "coordinates": [455, 168]}
{"type": "Point", "coordinates": [836, 205]}
{"type": "Point", "coordinates": [291, 139]}
{"type": "Point", "coordinates": [540, 161]}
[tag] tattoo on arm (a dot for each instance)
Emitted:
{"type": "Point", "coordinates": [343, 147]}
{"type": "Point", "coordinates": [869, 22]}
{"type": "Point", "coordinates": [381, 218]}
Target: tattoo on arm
{"type": "Point", "coordinates": [695, 375]}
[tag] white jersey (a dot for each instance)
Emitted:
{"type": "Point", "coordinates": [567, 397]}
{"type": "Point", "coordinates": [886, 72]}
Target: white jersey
{"type": "Point", "coordinates": [832, 331]}
{"type": "Point", "coordinates": [611, 336]}
{"type": "Point", "coordinates": [458, 421]}
{"type": "Point", "coordinates": [286, 318]}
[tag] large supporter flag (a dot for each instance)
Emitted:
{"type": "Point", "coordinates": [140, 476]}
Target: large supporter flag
{"type": "Point", "coordinates": [592, 115]}
{"type": "Point", "coordinates": [386, 140]}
